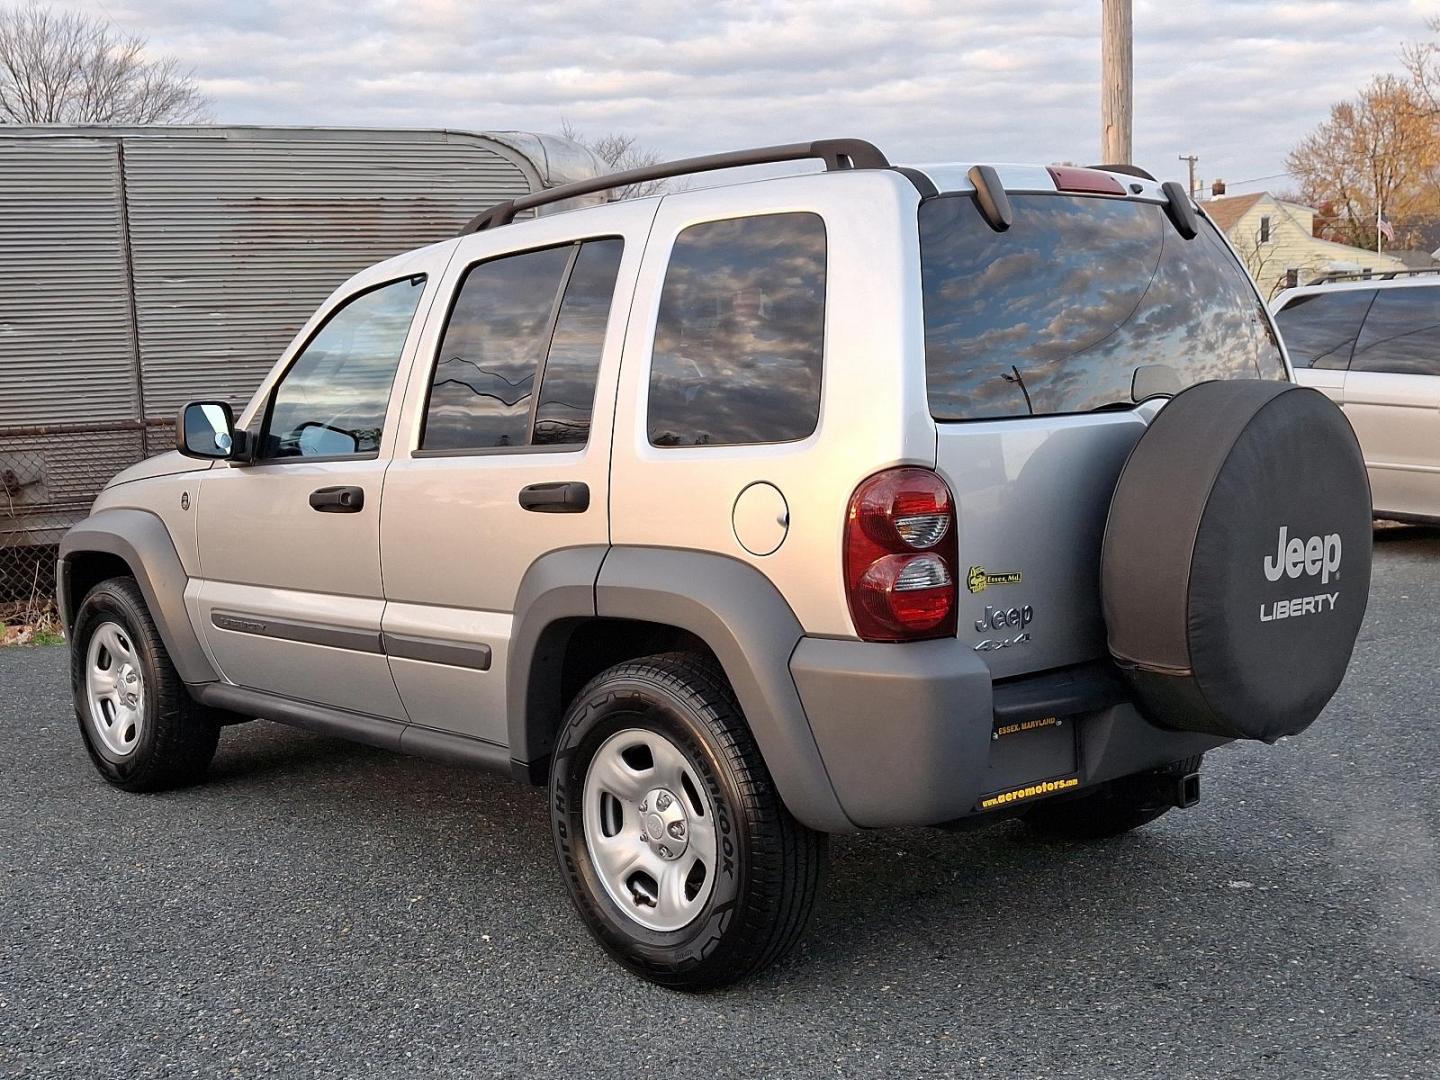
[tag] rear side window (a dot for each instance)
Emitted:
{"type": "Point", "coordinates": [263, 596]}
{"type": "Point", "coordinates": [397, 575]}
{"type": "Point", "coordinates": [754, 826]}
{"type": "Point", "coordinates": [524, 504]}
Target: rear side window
{"type": "Point", "coordinates": [1401, 334]}
{"type": "Point", "coordinates": [567, 391]}
{"type": "Point", "coordinates": [528, 321]}
{"type": "Point", "coordinates": [740, 335]}
{"type": "Point", "coordinates": [1055, 314]}
{"type": "Point", "coordinates": [1320, 329]}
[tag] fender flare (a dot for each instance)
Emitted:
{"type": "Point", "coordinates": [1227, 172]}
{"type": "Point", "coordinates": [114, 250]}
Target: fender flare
{"type": "Point", "coordinates": [141, 539]}
{"type": "Point", "coordinates": [728, 604]}
{"type": "Point", "coordinates": [734, 609]}
{"type": "Point", "coordinates": [555, 595]}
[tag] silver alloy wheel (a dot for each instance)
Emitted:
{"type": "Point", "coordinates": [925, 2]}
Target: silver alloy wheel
{"type": "Point", "coordinates": [115, 689]}
{"type": "Point", "coordinates": [650, 829]}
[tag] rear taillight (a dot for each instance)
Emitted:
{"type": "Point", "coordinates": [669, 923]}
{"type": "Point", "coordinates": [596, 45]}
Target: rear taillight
{"type": "Point", "coordinates": [900, 557]}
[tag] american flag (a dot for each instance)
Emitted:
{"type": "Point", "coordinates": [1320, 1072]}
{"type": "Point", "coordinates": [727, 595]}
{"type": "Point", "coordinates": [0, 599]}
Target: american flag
{"type": "Point", "coordinates": [1386, 229]}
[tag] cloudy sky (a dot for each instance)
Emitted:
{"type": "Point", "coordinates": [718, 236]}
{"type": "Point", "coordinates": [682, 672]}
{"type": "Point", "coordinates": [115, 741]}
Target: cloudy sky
{"type": "Point", "coordinates": [1235, 81]}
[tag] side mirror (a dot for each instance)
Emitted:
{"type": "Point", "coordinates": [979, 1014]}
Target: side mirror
{"type": "Point", "coordinates": [314, 439]}
{"type": "Point", "coordinates": [205, 429]}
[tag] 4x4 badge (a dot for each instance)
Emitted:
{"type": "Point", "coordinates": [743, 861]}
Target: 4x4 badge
{"type": "Point", "coordinates": [979, 580]}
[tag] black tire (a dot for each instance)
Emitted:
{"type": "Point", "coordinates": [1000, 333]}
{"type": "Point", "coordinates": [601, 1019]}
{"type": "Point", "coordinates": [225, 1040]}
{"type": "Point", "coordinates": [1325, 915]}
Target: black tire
{"type": "Point", "coordinates": [177, 737]}
{"type": "Point", "coordinates": [769, 866]}
{"type": "Point", "coordinates": [1112, 809]}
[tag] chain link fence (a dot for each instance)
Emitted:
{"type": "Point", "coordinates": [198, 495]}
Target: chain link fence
{"type": "Point", "coordinates": [49, 476]}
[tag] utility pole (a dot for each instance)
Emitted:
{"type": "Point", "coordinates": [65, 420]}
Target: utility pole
{"type": "Point", "coordinates": [1116, 77]}
{"type": "Point", "coordinates": [1192, 159]}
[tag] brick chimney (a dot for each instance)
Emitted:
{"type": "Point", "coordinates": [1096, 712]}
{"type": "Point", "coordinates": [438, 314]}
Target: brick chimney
{"type": "Point", "coordinates": [1217, 188]}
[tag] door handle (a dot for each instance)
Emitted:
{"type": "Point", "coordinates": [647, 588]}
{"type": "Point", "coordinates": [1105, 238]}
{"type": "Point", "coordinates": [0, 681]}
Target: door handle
{"type": "Point", "coordinates": [564, 497]}
{"type": "Point", "coordinates": [338, 500]}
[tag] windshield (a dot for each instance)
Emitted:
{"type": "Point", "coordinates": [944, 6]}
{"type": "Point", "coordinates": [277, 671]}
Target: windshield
{"type": "Point", "coordinates": [1055, 314]}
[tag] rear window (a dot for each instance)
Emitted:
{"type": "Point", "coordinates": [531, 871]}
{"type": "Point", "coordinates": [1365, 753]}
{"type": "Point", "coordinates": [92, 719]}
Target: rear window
{"type": "Point", "coordinates": [1320, 329]}
{"type": "Point", "coordinates": [1402, 333]}
{"type": "Point", "coordinates": [1055, 314]}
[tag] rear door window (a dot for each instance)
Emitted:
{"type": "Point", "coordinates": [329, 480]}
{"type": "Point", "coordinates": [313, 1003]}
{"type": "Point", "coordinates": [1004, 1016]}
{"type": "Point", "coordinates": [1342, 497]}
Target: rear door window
{"type": "Point", "coordinates": [1320, 328]}
{"type": "Point", "coordinates": [567, 388]}
{"type": "Point", "coordinates": [536, 319]}
{"type": "Point", "coordinates": [740, 336]}
{"type": "Point", "coordinates": [1401, 333]}
{"type": "Point", "coordinates": [1055, 314]}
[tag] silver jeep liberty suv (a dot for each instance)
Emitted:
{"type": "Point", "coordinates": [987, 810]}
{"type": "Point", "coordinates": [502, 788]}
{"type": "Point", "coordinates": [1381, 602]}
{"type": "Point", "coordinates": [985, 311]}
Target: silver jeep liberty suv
{"type": "Point", "coordinates": [748, 514]}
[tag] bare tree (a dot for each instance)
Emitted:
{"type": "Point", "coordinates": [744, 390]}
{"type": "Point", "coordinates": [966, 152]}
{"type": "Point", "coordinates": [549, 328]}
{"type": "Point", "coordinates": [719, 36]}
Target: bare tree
{"type": "Point", "coordinates": [1258, 257]}
{"type": "Point", "coordinates": [71, 68]}
{"type": "Point", "coordinates": [620, 151]}
{"type": "Point", "coordinates": [1422, 61]}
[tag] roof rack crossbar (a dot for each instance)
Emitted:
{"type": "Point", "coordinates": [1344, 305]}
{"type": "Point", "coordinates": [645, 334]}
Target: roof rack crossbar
{"type": "Point", "coordinates": [837, 154]}
{"type": "Point", "coordinates": [1333, 276]}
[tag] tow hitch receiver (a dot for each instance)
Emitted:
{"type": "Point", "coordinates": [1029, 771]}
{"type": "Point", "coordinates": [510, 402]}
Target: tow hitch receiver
{"type": "Point", "coordinates": [1187, 790]}
{"type": "Point", "coordinates": [1167, 789]}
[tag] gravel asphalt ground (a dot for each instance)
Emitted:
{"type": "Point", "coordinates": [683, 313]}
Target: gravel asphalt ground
{"type": "Point", "coordinates": [321, 909]}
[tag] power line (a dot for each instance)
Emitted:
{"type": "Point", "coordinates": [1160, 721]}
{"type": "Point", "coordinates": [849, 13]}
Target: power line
{"type": "Point", "coordinates": [1257, 179]}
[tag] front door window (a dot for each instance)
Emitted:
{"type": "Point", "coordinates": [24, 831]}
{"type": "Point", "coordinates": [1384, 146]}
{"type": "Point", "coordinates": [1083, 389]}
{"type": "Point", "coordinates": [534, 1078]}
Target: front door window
{"type": "Point", "coordinates": [331, 402]}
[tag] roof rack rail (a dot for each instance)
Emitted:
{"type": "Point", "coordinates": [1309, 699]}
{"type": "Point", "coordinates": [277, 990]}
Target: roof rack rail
{"type": "Point", "coordinates": [1333, 276]}
{"type": "Point", "coordinates": [836, 153]}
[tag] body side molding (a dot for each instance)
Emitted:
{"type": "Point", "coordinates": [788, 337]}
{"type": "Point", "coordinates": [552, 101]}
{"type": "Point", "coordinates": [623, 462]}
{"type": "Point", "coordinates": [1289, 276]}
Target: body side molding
{"type": "Point", "coordinates": [436, 651]}
{"type": "Point", "coordinates": [309, 633]}
{"type": "Point", "coordinates": [402, 646]}
{"type": "Point", "coordinates": [141, 539]}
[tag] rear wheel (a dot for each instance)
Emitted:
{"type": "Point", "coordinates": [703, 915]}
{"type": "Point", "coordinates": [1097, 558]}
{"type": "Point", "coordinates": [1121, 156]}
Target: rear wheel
{"type": "Point", "coordinates": [143, 731]}
{"type": "Point", "coordinates": [1112, 809]}
{"type": "Point", "coordinates": [675, 846]}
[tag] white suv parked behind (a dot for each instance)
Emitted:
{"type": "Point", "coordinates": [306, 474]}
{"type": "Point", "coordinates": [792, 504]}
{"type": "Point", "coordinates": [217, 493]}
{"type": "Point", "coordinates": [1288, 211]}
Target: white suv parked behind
{"type": "Point", "coordinates": [749, 514]}
{"type": "Point", "coordinates": [1374, 348]}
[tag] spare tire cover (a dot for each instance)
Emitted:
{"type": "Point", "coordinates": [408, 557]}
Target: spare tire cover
{"type": "Point", "coordinates": [1236, 562]}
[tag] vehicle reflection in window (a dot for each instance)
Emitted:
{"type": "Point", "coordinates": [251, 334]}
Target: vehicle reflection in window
{"type": "Point", "coordinates": [332, 401]}
{"type": "Point", "coordinates": [567, 391]}
{"type": "Point", "coordinates": [740, 334]}
{"type": "Point", "coordinates": [480, 396]}
{"type": "Point", "coordinates": [1055, 314]}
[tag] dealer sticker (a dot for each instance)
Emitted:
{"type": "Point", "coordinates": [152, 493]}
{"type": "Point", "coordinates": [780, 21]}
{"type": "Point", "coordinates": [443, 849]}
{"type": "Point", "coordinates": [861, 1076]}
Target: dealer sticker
{"type": "Point", "coordinates": [979, 579]}
{"type": "Point", "coordinates": [1028, 792]}
{"type": "Point", "coordinates": [1018, 726]}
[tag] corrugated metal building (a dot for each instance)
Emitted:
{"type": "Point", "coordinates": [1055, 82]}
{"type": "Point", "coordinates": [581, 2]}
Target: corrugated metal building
{"type": "Point", "coordinates": [143, 267]}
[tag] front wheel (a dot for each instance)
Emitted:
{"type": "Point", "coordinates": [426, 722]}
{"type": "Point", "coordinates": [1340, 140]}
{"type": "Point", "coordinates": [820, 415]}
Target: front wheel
{"type": "Point", "coordinates": [675, 846]}
{"type": "Point", "coordinates": [143, 731]}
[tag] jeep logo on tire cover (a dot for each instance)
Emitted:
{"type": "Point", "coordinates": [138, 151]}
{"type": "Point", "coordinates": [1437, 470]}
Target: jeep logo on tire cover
{"type": "Point", "coordinates": [1293, 557]}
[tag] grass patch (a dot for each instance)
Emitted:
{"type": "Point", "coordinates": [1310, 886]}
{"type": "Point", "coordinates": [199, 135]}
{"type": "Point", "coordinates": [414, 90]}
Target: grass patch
{"type": "Point", "coordinates": [31, 624]}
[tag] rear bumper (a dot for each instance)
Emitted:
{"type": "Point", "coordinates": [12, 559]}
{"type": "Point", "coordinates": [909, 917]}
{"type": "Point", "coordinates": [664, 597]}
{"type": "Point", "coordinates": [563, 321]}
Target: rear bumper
{"type": "Point", "coordinates": [918, 734]}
